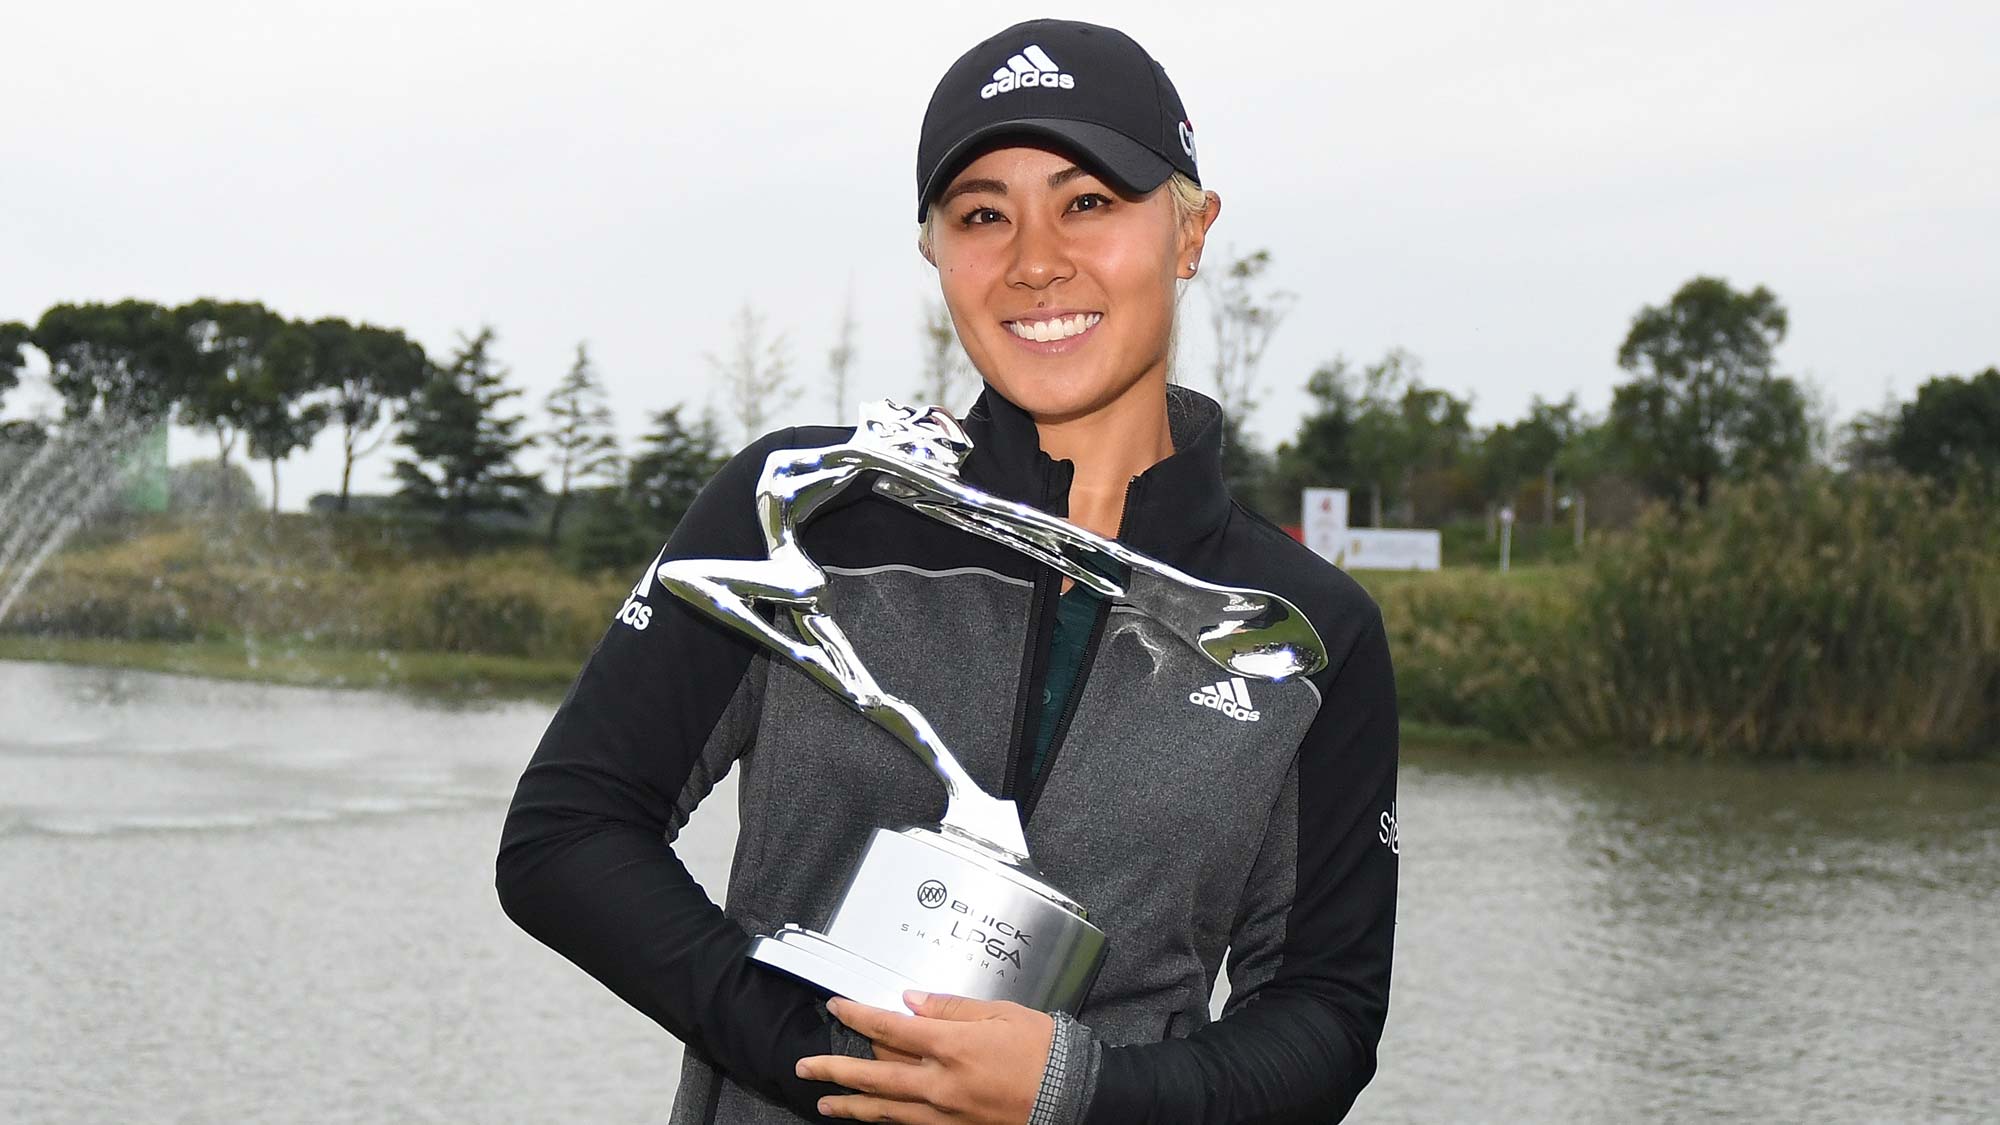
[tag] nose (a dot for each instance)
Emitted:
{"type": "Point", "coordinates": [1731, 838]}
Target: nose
{"type": "Point", "coordinates": [1041, 255]}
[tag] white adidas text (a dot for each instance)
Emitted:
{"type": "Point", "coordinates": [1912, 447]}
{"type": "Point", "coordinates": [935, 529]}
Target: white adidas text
{"type": "Point", "coordinates": [1230, 696]}
{"type": "Point", "coordinates": [1032, 67]}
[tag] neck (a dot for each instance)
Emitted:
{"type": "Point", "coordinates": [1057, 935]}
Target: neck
{"type": "Point", "coordinates": [1109, 447]}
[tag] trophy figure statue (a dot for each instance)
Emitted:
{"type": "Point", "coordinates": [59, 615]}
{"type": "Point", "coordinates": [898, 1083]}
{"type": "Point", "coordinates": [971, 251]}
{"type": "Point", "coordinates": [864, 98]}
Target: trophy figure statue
{"type": "Point", "coordinates": [977, 857]}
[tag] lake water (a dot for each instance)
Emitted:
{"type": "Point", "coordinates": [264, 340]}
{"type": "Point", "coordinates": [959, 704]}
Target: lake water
{"type": "Point", "coordinates": [229, 902]}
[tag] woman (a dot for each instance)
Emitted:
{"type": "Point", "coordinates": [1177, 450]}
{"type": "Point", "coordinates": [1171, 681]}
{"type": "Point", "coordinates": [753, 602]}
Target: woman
{"type": "Point", "coordinates": [1059, 197]}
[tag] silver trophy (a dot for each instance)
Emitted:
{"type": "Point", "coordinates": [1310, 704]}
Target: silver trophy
{"type": "Point", "coordinates": [976, 860]}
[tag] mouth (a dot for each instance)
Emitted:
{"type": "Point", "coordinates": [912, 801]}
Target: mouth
{"type": "Point", "coordinates": [1054, 334]}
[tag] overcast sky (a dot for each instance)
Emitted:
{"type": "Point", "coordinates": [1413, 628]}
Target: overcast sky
{"type": "Point", "coordinates": [1496, 187]}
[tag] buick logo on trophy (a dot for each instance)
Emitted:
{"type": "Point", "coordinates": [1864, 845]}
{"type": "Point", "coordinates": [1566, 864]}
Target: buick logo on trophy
{"type": "Point", "coordinates": [982, 921]}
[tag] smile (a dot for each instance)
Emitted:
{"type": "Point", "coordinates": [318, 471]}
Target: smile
{"type": "Point", "coordinates": [1058, 328]}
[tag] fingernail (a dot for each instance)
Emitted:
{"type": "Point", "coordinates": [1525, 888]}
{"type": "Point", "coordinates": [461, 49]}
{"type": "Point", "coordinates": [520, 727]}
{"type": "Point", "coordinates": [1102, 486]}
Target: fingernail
{"type": "Point", "coordinates": [830, 1005]}
{"type": "Point", "coordinates": [800, 1069]}
{"type": "Point", "coordinates": [914, 998]}
{"type": "Point", "coordinates": [825, 1105]}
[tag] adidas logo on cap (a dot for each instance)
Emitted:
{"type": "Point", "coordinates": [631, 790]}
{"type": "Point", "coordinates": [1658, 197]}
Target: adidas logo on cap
{"type": "Point", "coordinates": [1032, 67]}
{"type": "Point", "coordinates": [1230, 696]}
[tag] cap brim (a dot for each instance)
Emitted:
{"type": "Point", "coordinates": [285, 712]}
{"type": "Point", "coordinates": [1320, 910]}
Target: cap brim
{"type": "Point", "coordinates": [1125, 162]}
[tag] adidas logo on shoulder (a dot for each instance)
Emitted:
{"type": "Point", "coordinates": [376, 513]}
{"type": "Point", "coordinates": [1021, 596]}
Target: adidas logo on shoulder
{"type": "Point", "coordinates": [1032, 67]}
{"type": "Point", "coordinates": [1230, 696]}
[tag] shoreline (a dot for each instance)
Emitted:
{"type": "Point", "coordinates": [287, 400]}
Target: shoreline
{"type": "Point", "coordinates": [450, 674]}
{"type": "Point", "coordinates": [457, 675]}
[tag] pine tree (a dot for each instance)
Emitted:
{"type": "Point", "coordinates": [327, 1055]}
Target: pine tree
{"type": "Point", "coordinates": [675, 461]}
{"type": "Point", "coordinates": [281, 409]}
{"type": "Point", "coordinates": [462, 447]}
{"type": "Point", "coordinates": [581, 443]}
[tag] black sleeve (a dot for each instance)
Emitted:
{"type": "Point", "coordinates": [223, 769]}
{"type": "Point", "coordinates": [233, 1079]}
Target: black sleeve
{"type": "Point", "coordinates": [663, 706]}
{"type": "Point", "coordinates": [1299, 1045]}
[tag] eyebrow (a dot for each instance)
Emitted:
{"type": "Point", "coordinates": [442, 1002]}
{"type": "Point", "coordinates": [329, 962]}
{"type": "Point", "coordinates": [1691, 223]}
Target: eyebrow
{"type": "Point", "coordinates": [999, 187]}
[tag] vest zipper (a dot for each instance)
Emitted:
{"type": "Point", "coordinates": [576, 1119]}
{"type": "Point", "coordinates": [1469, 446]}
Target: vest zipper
{"type": "Point", "coordinates": [1034, 657]}
{"type": "Point", "coordinates": [1036, 784]}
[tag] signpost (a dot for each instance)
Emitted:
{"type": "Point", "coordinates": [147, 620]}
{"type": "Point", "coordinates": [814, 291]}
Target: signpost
{"type": "Point", "coordinates": [1323, 513]}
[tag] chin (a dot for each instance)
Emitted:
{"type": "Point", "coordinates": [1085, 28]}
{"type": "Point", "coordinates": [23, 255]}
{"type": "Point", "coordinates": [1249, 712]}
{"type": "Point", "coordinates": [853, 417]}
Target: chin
{"type": "Point", "coordinates": [1055, 395]}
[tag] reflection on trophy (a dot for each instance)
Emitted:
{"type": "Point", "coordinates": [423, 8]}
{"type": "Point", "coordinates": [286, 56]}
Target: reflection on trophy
{"type": "Point", "coordinates": [975, 862]}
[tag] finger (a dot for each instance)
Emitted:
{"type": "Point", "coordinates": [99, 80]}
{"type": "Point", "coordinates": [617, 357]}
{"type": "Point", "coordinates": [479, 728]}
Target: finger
{"type": "Point", "coordinates": [902, 1081]}
{"type": "Point", "coordinates": [867, 1107]}
{"type": "Point", "coordinates": [944, 1006]}
{"type": "Point", "coordinates": [901, 1030]}
{"type": "Point", "coordinates": [890, 1054]}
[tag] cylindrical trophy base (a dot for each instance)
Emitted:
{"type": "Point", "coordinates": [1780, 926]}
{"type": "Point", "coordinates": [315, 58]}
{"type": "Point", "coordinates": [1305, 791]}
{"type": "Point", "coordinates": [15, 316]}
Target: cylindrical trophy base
{"type": "Point", "coordinates": [928, 911]}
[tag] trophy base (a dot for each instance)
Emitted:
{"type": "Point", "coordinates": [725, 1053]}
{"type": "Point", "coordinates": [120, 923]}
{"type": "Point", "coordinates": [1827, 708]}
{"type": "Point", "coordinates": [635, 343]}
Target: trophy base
{"type": "Point", "coordinates": [925, 910]}
{"type": "Point", "coordinates": [809, 956]}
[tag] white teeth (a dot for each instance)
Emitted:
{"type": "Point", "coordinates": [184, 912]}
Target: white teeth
{"type": "Point", "coordinates": [1060, 328]}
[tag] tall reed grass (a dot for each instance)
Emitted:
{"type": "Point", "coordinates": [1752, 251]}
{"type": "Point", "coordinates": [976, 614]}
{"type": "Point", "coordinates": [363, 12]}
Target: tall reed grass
{"type": "Point", "coordinates": [1853, 617]}
{"type": "Point", "coordinates": [1849, 616]}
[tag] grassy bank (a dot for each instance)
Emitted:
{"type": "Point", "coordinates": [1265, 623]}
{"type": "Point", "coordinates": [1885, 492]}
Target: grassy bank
{"type": "Point", "coordinates": [1852, 618]}
{"type": "Point", "coordinates": [437, 673]}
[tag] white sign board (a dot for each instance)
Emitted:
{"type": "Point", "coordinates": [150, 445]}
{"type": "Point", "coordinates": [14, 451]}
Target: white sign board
{"type": "Point", "coordinates": [1323, 520]}
{"type": "Point", "coordinates": [1369, 548]}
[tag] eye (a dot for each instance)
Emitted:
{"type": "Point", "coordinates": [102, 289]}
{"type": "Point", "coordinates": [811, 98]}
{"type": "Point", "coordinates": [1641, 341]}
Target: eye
{"type": "Point", "coordinates": [979, 216]}
{"type": "Point", "coordinates": [1096, 201]}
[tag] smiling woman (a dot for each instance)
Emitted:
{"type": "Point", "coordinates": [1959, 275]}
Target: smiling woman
{"type": "Point", "coordinates": [1061, 205]}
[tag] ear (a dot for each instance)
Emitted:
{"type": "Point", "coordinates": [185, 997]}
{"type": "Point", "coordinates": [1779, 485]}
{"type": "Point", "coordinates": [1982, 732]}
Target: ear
{"type": "Point", "coordinates": [924, 249]}
{"type": "Point", "coordinates": [1194, 235]}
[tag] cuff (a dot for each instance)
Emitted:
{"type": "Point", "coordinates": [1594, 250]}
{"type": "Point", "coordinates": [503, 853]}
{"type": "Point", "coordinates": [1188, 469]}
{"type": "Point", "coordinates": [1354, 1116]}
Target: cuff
{"type": "Point", "coordinates": [1070, 1078]}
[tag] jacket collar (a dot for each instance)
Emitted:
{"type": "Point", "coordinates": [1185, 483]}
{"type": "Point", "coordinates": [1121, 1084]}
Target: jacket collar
{"type": "Point", "coordinates": [1174, 503]}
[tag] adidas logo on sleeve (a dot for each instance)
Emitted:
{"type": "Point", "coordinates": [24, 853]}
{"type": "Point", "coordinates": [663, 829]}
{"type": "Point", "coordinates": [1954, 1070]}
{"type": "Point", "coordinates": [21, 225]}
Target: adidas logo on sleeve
{"type": "Point", "coordinates": [1230, 696]}
{"type": "Point", "coordinates": [1032, 67]}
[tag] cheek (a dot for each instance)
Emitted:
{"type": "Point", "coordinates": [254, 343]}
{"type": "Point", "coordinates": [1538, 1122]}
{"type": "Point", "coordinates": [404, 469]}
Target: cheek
{"type": "Point", "coordinates": [1139, 287]}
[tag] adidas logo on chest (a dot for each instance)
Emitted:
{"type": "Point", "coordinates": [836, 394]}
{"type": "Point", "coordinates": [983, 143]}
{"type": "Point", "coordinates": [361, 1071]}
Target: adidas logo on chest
{"type": "Point", "coordinates": [1230, 696]}
{"type": "Point", "coordinates": [1032, 67]}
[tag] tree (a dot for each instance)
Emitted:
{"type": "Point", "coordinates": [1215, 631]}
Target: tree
{"type": "Point", "coordinates": [755, 373]}
{"type": "Point", "coordinates": [205, 486]}
{"type": "Point", "coordinates": [13, 336]}
{"type": "Point", "coordinates": [674, 461]}
{"type": "Point", "coordinates": [230, 341]}
{"type": "Point", "coordinates": [1865, 439]}
{"type": "Point", "coordinates": [367, 370]}
{"type": "Point", "coordinates": [1402, 426]}
{"type": "Point", "coordinates": [462, 447]}
{"type": "Point", "coordinates": [1951, 432]}
{"type": "Point", "coordinates": [585, 449]}
{"type": "Point", "coordinates": [1321, 454]}
{"type": "Point", "coordinates": [943, 363]}
{"type": "Point", "coordinates": [840, 361]}
{"type": "Point", "coordinates": [128, 363]}
{"type": "Point", "coordinates": [1243, 316]}
{"type": "Point", "coordinates": [1705, 405]}
{"type": "Point", "coordinates": [1513, 453]}
{"type": "Point", "coordinates": [278, 409]}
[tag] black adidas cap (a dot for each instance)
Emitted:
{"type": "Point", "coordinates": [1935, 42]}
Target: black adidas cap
{"type": "Point", "coordinates": [1091, 88]}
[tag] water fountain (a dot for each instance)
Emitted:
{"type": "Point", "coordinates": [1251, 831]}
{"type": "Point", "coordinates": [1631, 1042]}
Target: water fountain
{"type": "Point", "coordinates": [47, 492]}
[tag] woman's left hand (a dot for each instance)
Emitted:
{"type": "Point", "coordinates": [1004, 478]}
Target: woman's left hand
{"type": "Point", "coordinates": [969, 1061]}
